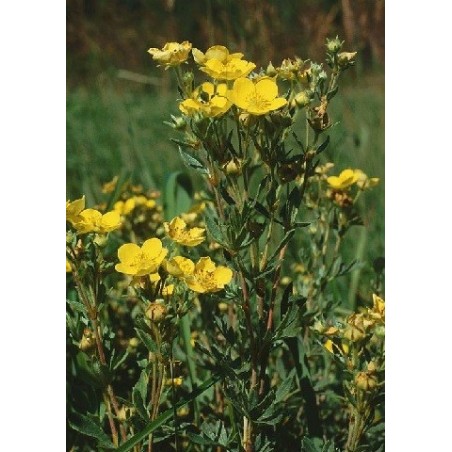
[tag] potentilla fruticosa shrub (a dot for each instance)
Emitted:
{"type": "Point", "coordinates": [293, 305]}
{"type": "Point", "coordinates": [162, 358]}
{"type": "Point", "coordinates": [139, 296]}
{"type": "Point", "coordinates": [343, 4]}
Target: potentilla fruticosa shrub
{"type": "Point", "coordinates": [208, 324]}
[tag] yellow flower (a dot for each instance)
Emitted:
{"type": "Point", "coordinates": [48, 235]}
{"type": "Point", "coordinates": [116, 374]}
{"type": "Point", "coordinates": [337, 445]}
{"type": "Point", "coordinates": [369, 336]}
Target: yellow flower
{"type": "Point", "coordinates": [179, 266]}
{"type": "Point", "coordinates": [346, 179]}
{"type": "Point", "coordinates": [110, 186]}
{"type": "Point", "coordinates": [363, 181]}
{"type": "Point", "coordinates": [174, 381]}
{"type": "Point", "coordinates": [323, 169]}
{"type": "Point", "coordinates": [168, 290]}
{"type": "Point", "coordinates": [378, 310]}
{"type": "Point", "coordinates": [217, 52]}
{"type": "Point", "coordinates": [256, 98]}
{"type": "Point", "coordinates": [68, 266]}
{"type": "Point", "coordinates": [124, 207]}
{"type": "Point", "coordinates": [177, 230]}
{"type": "Point", "coordinates": [207, 99]}
{"type": "Point", "coordinates": [154, 278]}
{"type": "Point", "coordinates": [74, 208]}
{"type": "Point", "coordinates": [229, 70]}
{"type": "Point", "coordinates": [333, 348]}
{"type": "Point", "coordinates": [172, 54]}
{"type": "Point", "coordinates": [207, 277]}
{"type": "Point", "coordinates": [91, 220]}
{"type": "Point", "coordinates": [141, 261]}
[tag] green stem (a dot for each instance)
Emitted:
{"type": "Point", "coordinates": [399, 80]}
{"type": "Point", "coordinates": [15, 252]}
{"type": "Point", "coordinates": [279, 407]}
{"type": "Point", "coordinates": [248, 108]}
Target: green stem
{"type": "Point", "coordinates": [186, 335]}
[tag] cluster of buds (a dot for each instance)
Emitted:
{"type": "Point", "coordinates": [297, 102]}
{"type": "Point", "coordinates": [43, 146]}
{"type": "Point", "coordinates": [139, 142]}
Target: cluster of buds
{"type": "Point", "coordinates": [140, 212]}
{"type": "Point", "coordinates": [352, 342]}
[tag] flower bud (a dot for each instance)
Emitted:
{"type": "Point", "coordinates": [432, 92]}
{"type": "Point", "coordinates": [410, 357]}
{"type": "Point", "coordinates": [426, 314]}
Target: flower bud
{"type": "Point", "coordinates": [285, 281]}
{"type": "Point", "coordinates": [156, 312]}
{"type": "Point", "coordinates": [334, 45]}
{"type": "Point", "coordinates": [319, 119]}
{"type": "Point", "coordinates": [100, 240]}
{"type": "Point", "coordinates": [353, 334]}
{"type": "Point", "coordinates": [133, 342]}
{"type": "Point", "coordinates": [346, 59]}
{"type": "Point", "coordinates": [174, 381]}
{"type": "Point", "coordinates": [270, 71]}
{"type": "Point", "coordinates": [88, 341]}
{"type": "Point", "coordinates": [222, 306]}
{"type": "Point", "coordinates": [183, 411]}
{"type": "Point", "coordinates": [365, 381]}
{"type": "Point", "coordinates": [178, 123]}
{"type": "Point", "coordinates": [233, 168]}
{"type": "Point", "coordinates": [302, 99]}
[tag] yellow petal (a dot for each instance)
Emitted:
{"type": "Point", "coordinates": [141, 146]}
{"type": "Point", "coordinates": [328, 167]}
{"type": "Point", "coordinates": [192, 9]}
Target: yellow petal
{"type": "Point", "coordinates": [205, 264]}
{"type": "Point", "coordinates": [242, 90]}
{"type": "Point", "coordinates": [189, 107]}
{"type": "Point", "coordinates": [220, 53]}
{"type": "Point", "coordinates": [277, 103]}
{"type": "Point", "coordinates": [198, 56]}
{"type": "Point", "coordinates": [267, 89]}
{"type": "Point", "coordinates": [110, 221]}
{"type": "Point", "coordinates": [222, 89]}
{"type": "Point", "coordinates": [168, 290]}
{"type": "Point", "coordinates": [194, 285]}
{"type": "Point", "coordinates": [334, 181]}
{"type": "Point", "coordinates": [128, 252]}
{"type": "Point", "coordinates": [180, 266]}
{"type": "Point", "coordinates": [329, 345]}
{"type": "Point", "coordinates": [152, 247]}
{"type": "Point", "coordinates": [154, 277]}
{"type": "Point", "coordinates": [125, 268]}
{"type": "Point", "coordinates": [208, 88]}
{"type": "Point", "coordinates": [222, 275]}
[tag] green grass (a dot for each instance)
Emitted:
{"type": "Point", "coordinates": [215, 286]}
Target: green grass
{"type": "Point", "coordinates": [119, 128]}
{"type": "Point", "coordinates": [110, 131]}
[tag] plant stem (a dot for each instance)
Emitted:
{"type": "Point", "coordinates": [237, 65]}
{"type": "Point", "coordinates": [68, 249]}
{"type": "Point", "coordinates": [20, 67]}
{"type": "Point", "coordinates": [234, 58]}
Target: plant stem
{"type": "Point", "coordinates": [92, 313]}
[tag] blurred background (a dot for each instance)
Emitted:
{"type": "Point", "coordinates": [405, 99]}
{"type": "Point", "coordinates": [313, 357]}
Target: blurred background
{"type": "Point", "coordinates": [118, 100]}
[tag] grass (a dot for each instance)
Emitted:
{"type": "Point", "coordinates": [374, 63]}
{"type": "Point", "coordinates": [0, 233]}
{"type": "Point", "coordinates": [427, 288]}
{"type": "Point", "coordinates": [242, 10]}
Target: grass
{"type": "Point", "coordinates": [118, 128]}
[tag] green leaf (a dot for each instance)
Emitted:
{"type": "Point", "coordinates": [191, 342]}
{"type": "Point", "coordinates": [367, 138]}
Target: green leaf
{"type": "Point", "coordinates": [115, 362]}
{"type": "Point", "coordinates": [225, 194]}
{"type": "Point", "coordinates": [215, 230]}
{"type": "Point", "coordinates": [284, 388]}
{"type": "Point", "coordinates": [77, 306]}
{"type": "Point", "coordinates": [282, 244]}
{"type": "Point", "coordinates": [323, 146]}
{"type": "Point", "coordinates": [147, 340]}
{"type": "Point", "coordinates": [178, 194]}
{"type": "Point", "coordinates": [87, 426]}
{"type": "Point", "coordinates": [165, 416]}
{"type": "Point", "coordinates": [311, 445]}
{"type": "Point", "coordinates": [192, 162]}
{"type": "Point", "coordinates": [198, 439]}
{"type": "Point", "coordinates": [139, 395]}
{"type": "Point", "coordinates": [261, 209]}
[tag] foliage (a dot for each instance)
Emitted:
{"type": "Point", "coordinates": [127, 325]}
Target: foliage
{"type": "Point", "coordinates": [209, 319]}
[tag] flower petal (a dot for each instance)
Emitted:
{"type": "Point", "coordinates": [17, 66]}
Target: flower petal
{"type": "Point", "coordinates": [242, 90]}
{"type": "Point", "coordinates": [267, 89]}
{"type": "Point", "coordinates": [110, 221]}
{"type": "Point", "coordinates": [222, 275]}
{"type": "Point", "coordinates": [152, 247]}
{"type": "Point", "coordinates": [128, 252]}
